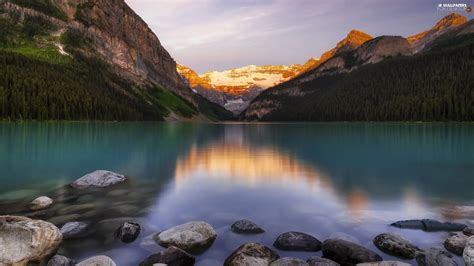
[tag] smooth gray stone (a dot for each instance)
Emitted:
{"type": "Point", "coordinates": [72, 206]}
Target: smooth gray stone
{"type": "Point", "coordinates": [287, 261]}
{"type": "Point", "coordinates": [297, 241]}
{"type": "Point", "coordinates": [76, 230]}
{"type": "Point", "coordinates": [348, 253]}
{"type": "Point", "coordinates": [251, 254]}
{"type": "Point", "coordinates": [317, 261]}
{"type": "Point", "coordinates": [435, 257]}
{"type": "Point", "coordinates": [246, 227]}
{"type": "Point", "coordinates": [395, 245]}
{"type": "Point", "coordinates": [456, 243]}
{"type": "Point", "coordinates": [192, 237]}
{"type": "Point", "coordinates": [171, 256]}
{"type": "Point", "coordinates": [59, 260]}
{"type": "Point", "coordinates": [98, 179]}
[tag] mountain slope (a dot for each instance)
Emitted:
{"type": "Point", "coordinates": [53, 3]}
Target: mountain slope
{"type": "Point", "coordinates": [380, 81]}
{"type": "Point", "coordinates": [90, 38]}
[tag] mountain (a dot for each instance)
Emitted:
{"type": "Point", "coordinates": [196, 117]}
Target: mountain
{"type": "Point", "coordinates": [423, 39]}
{"type": "Point", "coordinates": [381, 80]}
{"type": "Point", "coordinates": [114, 66]}
{"type": "Point", "coordinates": [234, 89]}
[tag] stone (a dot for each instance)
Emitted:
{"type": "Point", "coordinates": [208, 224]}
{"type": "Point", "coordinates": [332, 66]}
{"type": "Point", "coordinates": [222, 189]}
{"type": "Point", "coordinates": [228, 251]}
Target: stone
{"type": "Point", "coordinates": [469, 231]}
{"type": "Point", "coordinates": [171, 256]}
{"type": "Point", "coordinates": [435, 257]}
{"type": "Point", "coordinates": [97, 261]}
{"type": "Point", "coordinates": [384, 263]}
{"type": "Point", "coordinates": [344, 236]}
{"type": "Point", "coordinates": [25, 240]}
{"type": "Point", "coordinates": [289, 262]}
{"type": "Point", "coordinates": [98, 179]}
{"type": "Point", "coordinates": [59, 260]}
{"type": "Point", "coordinates": [456, 243]}
{"type": "Point", "coordinates": [429, 225]}
{"type": "Point", "coordinates": [63, 219]}
{"type": "Point", "coordinates": [76, 230]}
{"type": "Point", "coordinates": [468, 254]}
{"type": "Point", "coordinates": [192, 237]}
{"type": "Point", "coordinates": [297, 241]}
{"type": "Point", "coordinates": [40, 203]}
{"type": "Point", "coordinates": [251, 254]}
{"type": "Point", "coordinates": [128, 232]}
{"type": "Point", "coordinates": [246, 227]}
{"type": "Point", "coordinates": [348, 253]}
{"type": "Point", "coordinates": [317, 261]}
{"type": "Point", "coordinates": [395, 245]}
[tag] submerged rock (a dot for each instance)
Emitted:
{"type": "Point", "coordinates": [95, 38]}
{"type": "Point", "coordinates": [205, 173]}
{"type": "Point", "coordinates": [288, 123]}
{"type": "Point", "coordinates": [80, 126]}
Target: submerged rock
{"type": "Point", "coordinates": [435, 257]}
{"type": "Point", "coordinates": [40, 203]}
{"type": "Point", "coordinates": [384, 263]}
{"type": "Point", "coordinates": [347, 253]}
{"type": "Point", "coordinates": [128, 232]}
{"type": "Point", "coordinates": [468, 254]}
{"type": "Point", "coordinates": [63, 219]}
{"type": "Point", "coordinates": [246, 227]}
{"type": "Point", "coordinates": [429, 225]}
{"type": "Point", "coordinates": [289, 262]}
{"type": "Point", "coordinates": [23, 240]}
{"type": "Point", "coordinates": [317, 261]}
{"type": "Point", "coordinates": [171, 256]}
{"type": "Point", "coordinates": [469, 231]}
{"type": "Point", "coordinates": [97, 261]}
{"type": "Point", "coordinates": [297, 241]}
{"type": "Point", "coordinates": [344, 236]}
{"type": "Point", "coordinates": [76, 230]}
{"type": "Point", "coordinates": [98, 179]}
{"type": "Point", "coordinates": [59, 260]}
{"type": "Point", "coordinates": [456, 243]}
{"type": "Point", "coordinates": [191, 237]}
{"type": "Point", "coordinates": [251, 254]}
{"type": "Point", "coordinates": [395, 245]}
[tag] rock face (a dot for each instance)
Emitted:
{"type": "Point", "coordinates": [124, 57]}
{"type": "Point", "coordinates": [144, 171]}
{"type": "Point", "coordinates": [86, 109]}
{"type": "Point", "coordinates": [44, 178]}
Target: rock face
{"type": "Point", "coordinates": [251, 254]}
{"type": "Point", "coordinates": [191, 237]}
{"type": "Point", "coordinates": [172, 256]}
{"type": "Point", "coordinates": [58, 260]}
{"type": "Point", "coordinates": [96, 261]}
{"type": "Point", "coordinates": [468, 254]}
{"type": "Point", "coordinates": [347, 253]}
{"type": "Point", "coordinates": [297, 241]}
{"type": "Point", "coordinates": [456, 243]}
{"type": "Point", "coordinates": [42, 202]}
{"type": "Point", "coordinates": [98, 179]}
{"type": "Point", "coordinates": [435, 257]}
{"type": "Point", "coordinates": [76, 230]}
{"type": "Point", "coordinates": [24, 240]}
{"type": "Point", "coordinates": [289, 262]}
{"type": "Point", "coordinates": [317, 261]}
{"type": "Point", "coordinates": [128, 232]}
{"type": "Point", "coordinates": [246, 227]}
{"type": "Point", "coordinates": [376, 50]}
{"type": "Point", "coordinates": [429, 225]}
{"type": "Point", "coordinates": [395, 245]}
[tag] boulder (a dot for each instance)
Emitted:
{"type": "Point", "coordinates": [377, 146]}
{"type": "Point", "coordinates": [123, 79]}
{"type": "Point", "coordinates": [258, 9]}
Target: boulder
{"type": "Point", "coordinates": [429, 225]}
{"type": "Point", "coordinates": [435, 257]}
{"type": "Point", "coordinates": [58, 260]}
{"type": "Point", "coordinates": [297, 241]}
{"type": "Point", "coordinates": [289, 262]}
{"type": "Point", "coordinates": [348, 253]}
{"type": "Point", "coordinates": [76, 230]}
{"type": "Point", "coordinates": [384, 263]}
{"type": "Point", "coordinates": [191, 237]}
{"type": "Point", "coordinates": [395, 245]}
{"type": "Point", "coordinates": [251, 254]}
{"type": "Point", "coordinates": [40, 203]}
{"type": "Point", "coordinates": [469, 231]}
{"type": "Point", "coordinates": [246, 227]}
{"type": "Point", "coordinates": [344, 236]}
{"type": "Point", "coordinates": [468, 254]}
{"type": "Point", "coordinates": [317, 261]}
{"type": "Point", "coordinates": [97, 261]}
{"type": "Point", "coordinates": [98, 179]}
{"type": "Point", "coordinates": [456, 243]}
{"type": "Point", "coordinates": [172, 256]}
{"type": "Point", "coordinates": [128, 232]}
{"type": "Point", "coordinates": [25, 240]}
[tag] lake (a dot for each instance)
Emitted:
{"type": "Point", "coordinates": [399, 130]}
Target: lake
{"type": "Point", "coordinates": [347, 180]}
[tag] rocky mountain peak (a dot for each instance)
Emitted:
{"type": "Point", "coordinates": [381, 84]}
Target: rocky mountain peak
{"type": "Point", "coordinates": [353, 40]}
{"type": "Point", "coordinates": [450, 20]}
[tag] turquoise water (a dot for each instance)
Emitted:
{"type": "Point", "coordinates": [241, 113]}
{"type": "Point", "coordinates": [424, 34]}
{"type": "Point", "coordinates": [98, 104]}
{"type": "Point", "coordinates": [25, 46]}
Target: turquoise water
{"type": "Point", "coordinates": [327, 179]}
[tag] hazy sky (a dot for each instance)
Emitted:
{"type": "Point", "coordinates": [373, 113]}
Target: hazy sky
{"type": "Point", "coordinates": [221, 34]}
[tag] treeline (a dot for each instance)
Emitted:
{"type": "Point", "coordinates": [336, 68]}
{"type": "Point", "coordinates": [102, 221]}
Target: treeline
{"type": "Point", "coordinates": [436, 86]}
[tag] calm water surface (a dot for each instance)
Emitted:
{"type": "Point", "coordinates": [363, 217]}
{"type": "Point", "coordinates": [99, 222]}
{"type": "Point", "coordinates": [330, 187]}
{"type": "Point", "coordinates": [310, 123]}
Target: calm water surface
{"type": "Point", "coordinates": [330, 180]}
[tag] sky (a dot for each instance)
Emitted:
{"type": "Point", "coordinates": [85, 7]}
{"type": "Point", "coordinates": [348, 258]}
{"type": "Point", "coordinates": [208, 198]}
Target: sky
{"type": "Point", "coordinates": [222, 34]}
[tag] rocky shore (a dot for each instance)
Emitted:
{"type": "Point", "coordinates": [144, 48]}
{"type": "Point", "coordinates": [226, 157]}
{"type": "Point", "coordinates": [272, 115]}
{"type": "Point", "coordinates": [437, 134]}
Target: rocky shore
{"type": "Point", "coordinates": [39, 232]}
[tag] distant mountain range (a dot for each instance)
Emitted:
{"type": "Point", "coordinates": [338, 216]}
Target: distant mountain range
{"type": "Point", "coordinates": [234, 89]}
